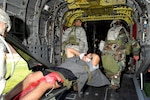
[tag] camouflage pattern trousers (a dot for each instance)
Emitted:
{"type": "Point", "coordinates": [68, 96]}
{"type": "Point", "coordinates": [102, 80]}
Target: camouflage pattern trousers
{"type": "Point", "coordinates": [117, 53]}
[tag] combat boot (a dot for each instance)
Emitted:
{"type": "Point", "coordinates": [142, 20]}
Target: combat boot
{"type": "Point", "coordinates": [112, 94]}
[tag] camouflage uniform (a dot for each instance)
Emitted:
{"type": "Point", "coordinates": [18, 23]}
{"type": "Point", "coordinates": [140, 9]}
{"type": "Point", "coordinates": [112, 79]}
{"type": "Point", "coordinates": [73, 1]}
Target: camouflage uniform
{"type": "Point", "coordinates": [115, 46]}
{"type": "Point", "coordinates": [5, 26]}
{"type": "Point", "coordinates": [75, 37]}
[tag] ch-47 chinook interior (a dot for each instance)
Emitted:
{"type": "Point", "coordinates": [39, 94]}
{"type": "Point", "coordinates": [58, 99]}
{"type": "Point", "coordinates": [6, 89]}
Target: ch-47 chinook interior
{"type": "Point", "coordinates": [38, 25]}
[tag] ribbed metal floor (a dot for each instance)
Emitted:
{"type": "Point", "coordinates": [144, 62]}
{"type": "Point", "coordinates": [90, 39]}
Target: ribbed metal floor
{"type": "Point", "coordinates": [126, 92]}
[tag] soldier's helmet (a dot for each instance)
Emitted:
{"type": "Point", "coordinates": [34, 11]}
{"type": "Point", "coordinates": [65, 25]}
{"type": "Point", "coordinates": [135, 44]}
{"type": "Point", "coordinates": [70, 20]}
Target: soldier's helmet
{"type": "Point", "coordinates": [4, 17]}
{"type": "Point", "coordinates": [115, 22]}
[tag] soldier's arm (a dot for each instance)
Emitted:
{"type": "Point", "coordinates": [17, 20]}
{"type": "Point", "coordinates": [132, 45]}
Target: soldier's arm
{"type": "Point", "coordinates": [135, 46]}
{"type": "Point", "coordinates": [71, 52]}
{"type": "Point", "coordinates": [83, 38]}
{"type": "Point", "coordinates": [65, 35]}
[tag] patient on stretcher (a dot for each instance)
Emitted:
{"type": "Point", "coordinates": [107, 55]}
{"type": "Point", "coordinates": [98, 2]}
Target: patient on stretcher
{"type": "Point", "coordinates": [75, 68]}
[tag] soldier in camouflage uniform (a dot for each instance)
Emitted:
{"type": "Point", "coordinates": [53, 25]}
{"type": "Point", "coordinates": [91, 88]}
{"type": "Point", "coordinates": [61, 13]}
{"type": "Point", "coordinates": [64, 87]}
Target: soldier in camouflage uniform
{"type": "Point", "coordinates": [114, 52]}
{"type": "Point", "coordinates": [5, 26]}
{"type": "Point", "coordinates": [75, 37]}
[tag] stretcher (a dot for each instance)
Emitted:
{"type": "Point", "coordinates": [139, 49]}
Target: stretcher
{"type": "Point", "coordinates": [50, 78]}
{"type": "Point", "coordinates": [57, 93]}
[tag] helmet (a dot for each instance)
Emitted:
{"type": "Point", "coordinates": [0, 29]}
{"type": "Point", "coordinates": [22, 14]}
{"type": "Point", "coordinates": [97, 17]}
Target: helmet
{"type": "Point", "coordinates": [114, 22]}
{"type": "Point", "coordinates": [4, 17]}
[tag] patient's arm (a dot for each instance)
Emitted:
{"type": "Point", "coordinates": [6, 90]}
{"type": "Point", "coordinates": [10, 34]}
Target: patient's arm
{"type": "Point", "coordinates": [95, 58]}
{"type": "Point", "coordinates": [71, 52]}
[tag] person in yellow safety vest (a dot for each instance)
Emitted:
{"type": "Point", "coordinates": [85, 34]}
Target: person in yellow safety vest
{"type": "Point", "coordinates": [5, 26]}
{"type": "Point", "coordinates": [75, 37]}
{"type": "Point", "coordinates": [117, 45]}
